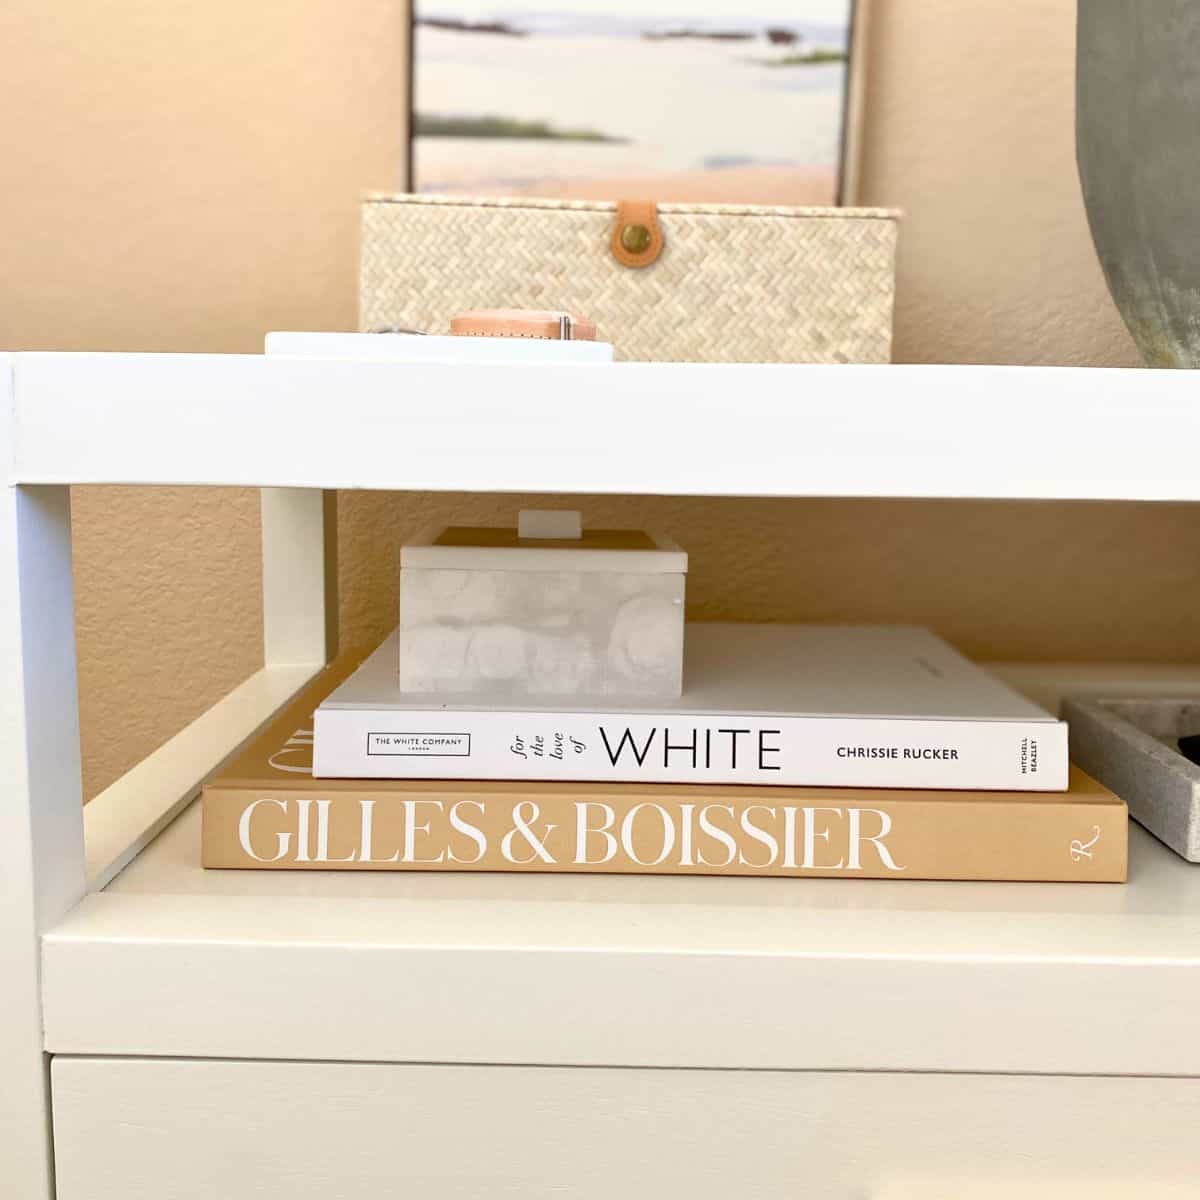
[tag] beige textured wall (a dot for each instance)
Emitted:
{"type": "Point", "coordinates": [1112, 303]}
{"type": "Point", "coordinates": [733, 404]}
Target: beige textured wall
{"type": "Point", "coordinates": [1018, 580]}
{"type": "Point", "coordinates": [970, 128]}
{"type": "Point", "coordinates": [182, 176]}
{"type": "Point", "coordinates": [186, 179]}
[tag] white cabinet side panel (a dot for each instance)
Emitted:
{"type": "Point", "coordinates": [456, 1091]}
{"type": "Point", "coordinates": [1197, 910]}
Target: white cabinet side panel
{"type": "Point", "coordinates": [41, 803]}
{"type": "Point", "coordinates": [192, 1130]}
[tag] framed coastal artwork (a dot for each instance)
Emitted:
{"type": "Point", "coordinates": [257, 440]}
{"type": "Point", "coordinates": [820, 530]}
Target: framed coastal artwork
{"type": "Point", "coordinates": [679, 100]}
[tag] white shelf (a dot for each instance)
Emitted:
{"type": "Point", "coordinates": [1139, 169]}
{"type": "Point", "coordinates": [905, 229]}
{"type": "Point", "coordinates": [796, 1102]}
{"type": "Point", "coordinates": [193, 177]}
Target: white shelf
{"type": "Point", "coordinates": [653, 428]}
{"type": "Point", "coordinates": [123, 819]}
{"type": "Point", "coordinates": [792, 974]}
{"type": "Point", "coordinates": [170, 961]}
{"type": "Point", "coordinates": [785, 974]}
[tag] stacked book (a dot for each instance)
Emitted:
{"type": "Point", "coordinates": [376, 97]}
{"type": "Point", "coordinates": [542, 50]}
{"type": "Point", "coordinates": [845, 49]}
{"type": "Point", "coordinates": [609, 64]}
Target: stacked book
{"type": "Point", "coordinates": [790, 750]}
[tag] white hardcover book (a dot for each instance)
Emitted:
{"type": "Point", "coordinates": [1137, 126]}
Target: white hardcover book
{"type": "Point", "coordinates": [802, 705]}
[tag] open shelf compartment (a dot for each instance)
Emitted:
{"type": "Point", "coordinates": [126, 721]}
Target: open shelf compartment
{"type": "Point", "coordinates": [805, 974]}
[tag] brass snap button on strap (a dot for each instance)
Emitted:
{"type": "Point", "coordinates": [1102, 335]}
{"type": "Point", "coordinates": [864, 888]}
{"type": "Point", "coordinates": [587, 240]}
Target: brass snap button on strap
{"type": "Point", "coordinates": [637, 237]}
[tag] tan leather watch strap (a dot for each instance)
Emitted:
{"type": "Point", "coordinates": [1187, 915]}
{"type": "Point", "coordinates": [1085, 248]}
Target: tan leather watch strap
{"type": "Point", "coordinates": [637, 237]}
{"type": "Point", "coordinates": [523, 323]}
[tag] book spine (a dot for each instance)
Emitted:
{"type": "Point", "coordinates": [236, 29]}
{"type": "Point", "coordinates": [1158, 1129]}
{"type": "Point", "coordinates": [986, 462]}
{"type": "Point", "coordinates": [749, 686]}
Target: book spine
{"type": "Point", "coordinates": [684, 831]}
{"type": "Point", "coordinates": [796, 751]}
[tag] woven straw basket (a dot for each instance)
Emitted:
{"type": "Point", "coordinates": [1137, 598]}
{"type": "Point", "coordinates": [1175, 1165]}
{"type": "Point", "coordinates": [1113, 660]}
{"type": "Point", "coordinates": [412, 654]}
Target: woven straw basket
{"type": "Point", "coordinates": [734, 283]}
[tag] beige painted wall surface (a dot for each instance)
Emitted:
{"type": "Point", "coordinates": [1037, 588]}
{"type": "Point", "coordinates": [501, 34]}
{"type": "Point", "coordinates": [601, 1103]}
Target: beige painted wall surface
{"type": "Point", "coordinates": [187, 179]}
{"type": "Point", "coordinates": [970, 129]}
{"type": "Point", "coordinates": [1017, 580]}
{"type": "Point", "coordinates": [182, 176]}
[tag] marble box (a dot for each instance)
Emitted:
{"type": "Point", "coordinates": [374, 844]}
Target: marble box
{"type": "Point", "coordinates": [1131, 746]}
{"type": "Point", "coordinates": [546, 609]}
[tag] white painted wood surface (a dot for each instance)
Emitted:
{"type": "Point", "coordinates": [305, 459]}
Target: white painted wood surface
{"type": "Point", "coordinates": [665, 972]}
{"type": "Point", "coordinates": [145, 1130]}
{"type": "Point", "coordinates": [295, 619]}
{"type": "Point", "coordinates": [659, 428]}
{"type": "Point", "coordinates": [388, 927]}
{"type": "Point", "coordinates": [41, 844]}
{"type": "Point", "coordinates": [621, 972]}
{"type": "Point", "coordinates": [126, 817]}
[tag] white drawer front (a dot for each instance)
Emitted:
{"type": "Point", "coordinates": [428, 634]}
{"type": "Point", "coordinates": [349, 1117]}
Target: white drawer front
{"type": "Point", "coordinates": [144, 1129]}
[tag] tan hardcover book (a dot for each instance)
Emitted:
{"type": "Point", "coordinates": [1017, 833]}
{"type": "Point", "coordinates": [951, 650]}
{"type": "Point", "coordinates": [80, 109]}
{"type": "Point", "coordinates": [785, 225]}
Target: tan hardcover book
{"type": "Point", "coordinates": [266, 811]}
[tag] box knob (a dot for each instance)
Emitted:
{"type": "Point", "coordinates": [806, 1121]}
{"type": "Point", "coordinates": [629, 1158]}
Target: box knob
{"type": "Point", "coordinates": [546, 523]}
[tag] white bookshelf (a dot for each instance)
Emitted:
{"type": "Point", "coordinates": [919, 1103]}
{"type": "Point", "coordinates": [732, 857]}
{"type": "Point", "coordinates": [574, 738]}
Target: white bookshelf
{"type": "Point", "coordinates": [123, 959]}
{"type": "Point", "coordinates": [630, 428]}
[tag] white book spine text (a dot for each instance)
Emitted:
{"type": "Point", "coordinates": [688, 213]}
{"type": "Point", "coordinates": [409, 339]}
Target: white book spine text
{"type": "Point", "coordinates": [739, 749]}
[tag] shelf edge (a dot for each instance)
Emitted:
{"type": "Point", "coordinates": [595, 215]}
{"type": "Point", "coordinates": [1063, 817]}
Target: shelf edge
{"type": "Point", "coordinates": [124, 818]}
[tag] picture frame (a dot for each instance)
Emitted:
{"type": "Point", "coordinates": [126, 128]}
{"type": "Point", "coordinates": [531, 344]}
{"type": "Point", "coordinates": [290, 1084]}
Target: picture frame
{"type": "Point", "coordinates": [509, 101]}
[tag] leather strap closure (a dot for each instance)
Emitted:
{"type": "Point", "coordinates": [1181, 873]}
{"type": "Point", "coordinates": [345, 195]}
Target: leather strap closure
{"type": "Point", "coordinates": [637, 237]}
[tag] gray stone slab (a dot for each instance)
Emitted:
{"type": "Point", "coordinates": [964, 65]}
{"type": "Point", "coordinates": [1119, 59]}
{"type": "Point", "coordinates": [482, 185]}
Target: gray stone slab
{"type": "Point", "coordinates": [1130, 746]}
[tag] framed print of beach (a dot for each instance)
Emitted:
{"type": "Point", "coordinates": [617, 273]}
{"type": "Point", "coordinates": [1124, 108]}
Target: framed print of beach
{"type": "Point", "coordinates": [676, 100]}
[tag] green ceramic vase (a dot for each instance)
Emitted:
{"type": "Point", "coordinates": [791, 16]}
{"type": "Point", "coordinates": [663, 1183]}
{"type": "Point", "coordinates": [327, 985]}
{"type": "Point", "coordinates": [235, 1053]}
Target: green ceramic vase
{"type": "Point", "coordinates": [1137, 137]}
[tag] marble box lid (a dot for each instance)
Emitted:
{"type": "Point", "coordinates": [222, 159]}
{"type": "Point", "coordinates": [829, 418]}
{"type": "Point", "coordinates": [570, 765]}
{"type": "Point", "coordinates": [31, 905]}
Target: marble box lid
{"type": "Point", "coordinates": [543, 542]}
